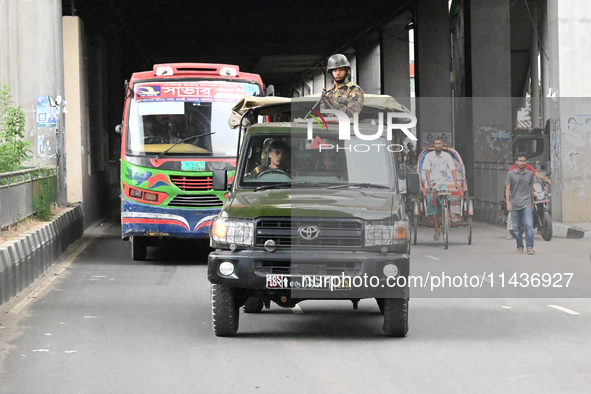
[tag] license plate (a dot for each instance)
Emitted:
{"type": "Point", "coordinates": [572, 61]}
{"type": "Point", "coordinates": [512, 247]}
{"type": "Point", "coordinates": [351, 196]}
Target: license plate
{"type": "Point", "coordinates": [308, 282]}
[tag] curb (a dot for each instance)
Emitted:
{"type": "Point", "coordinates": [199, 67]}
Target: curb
{"type": "Point", "coordinates": [28, 256]}
{"type": "Point", "coordinates": [561, 230]}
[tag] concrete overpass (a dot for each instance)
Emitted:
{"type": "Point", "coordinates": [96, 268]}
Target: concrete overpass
{"type": "Point", "coordinates": [475, 61]}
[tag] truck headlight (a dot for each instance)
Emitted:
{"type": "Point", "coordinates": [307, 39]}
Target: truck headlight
{"type": "Point", "coordinates": [233, 231]}
{"type": "Point", "coordinates": [380, 233]}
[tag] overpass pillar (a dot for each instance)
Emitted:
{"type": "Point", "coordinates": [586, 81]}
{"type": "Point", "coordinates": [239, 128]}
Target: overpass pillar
{"type": "Point", "coordinates": [568, 107]}
{"type": "Point", "coordinates": [394, 51]}
{"type": "Point", "coordinates": [432, 68]}
{"type": "Point", "coordinates": [368, 64]}
{"type": "Point", "coordinates": [486, 137]}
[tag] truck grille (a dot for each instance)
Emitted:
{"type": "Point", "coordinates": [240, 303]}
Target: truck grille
{"type": "Point", "coordinates": [203, 200]}
{"type": "Point", "coordinates": [190, 183]}
{"type": "Point", "coordinates": [338, 233]}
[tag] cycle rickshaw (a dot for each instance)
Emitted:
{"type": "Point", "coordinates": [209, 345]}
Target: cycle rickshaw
{"type": "Point", "coordinates": [459, 206]}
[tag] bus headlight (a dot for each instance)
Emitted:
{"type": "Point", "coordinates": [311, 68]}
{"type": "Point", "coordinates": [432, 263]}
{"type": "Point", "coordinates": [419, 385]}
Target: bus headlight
{"type": "Point", "coordinates": [233, 231]}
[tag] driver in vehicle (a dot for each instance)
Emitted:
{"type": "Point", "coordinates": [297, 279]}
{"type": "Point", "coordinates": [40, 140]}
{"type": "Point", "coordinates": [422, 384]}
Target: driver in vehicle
{"type": "Point", "coordinates": [278, 152]}
{"type": "Point", "coordinates": [152, 133]}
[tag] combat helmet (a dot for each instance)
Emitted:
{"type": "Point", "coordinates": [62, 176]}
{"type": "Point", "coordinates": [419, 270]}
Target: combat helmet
{"type": "Point", "coordinates": [337, 61]}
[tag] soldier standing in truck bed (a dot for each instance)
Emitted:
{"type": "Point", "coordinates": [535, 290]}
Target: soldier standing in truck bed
{"type": "Point", "coordinates": [343, 95]}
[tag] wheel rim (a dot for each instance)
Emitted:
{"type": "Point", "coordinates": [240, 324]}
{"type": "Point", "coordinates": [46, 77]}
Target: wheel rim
{"type": "Point", "coordinates": [445, 225]}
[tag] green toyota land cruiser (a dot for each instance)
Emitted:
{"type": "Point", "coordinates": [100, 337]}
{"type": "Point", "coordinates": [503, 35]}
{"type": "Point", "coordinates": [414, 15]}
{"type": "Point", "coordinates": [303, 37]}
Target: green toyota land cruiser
{"type": "Point", "coordinates": [312, 214]}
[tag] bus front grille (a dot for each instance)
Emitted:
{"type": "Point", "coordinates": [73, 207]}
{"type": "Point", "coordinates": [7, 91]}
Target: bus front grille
{"type": "Point", "coordinates": [190, 183]}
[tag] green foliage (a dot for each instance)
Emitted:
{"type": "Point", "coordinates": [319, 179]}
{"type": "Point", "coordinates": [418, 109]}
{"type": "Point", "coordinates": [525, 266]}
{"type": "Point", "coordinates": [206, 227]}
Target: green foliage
{"type": "Point", "coordinates": [44, 213]}
{"type": "Point", "coordinates": [14, 150]}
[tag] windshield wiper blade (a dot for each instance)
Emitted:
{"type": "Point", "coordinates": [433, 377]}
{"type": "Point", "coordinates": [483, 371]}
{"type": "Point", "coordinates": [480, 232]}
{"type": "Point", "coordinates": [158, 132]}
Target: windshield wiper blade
{"type": "Point", "coordinates": [316, 184]}
{"type": "Point", "coordinates": [366, 185]}
{"type": "Point", "coordinates": [181, 141]}
{"type": "Point", "coordinates": [273, 186]}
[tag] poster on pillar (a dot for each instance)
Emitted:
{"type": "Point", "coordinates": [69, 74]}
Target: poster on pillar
{"type": "Point", "coordinates": [428, 139]}
{"type": "Point", "coordinates": [576, 127]}
{"type": "Point", "coordinates": [46, 113]}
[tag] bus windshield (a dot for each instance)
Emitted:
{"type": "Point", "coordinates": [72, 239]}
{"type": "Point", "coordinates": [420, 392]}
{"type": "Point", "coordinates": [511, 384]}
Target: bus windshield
{"type": "Point", "coordinates": [184, 118]}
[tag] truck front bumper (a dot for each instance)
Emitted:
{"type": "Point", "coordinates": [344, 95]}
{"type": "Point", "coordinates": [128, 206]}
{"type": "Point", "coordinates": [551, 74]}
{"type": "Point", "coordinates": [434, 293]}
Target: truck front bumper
{"type": "Point", "coordinates": [261, 270]}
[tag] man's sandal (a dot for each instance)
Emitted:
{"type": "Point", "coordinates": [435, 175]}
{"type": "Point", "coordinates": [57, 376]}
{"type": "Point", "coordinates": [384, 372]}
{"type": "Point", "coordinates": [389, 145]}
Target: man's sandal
{"type": "Point", "coordinates": [530, 251]}
{"type": "Point", "coordinates": [519, 250]}
{"type": "Point", "coordinates": [435, 237]}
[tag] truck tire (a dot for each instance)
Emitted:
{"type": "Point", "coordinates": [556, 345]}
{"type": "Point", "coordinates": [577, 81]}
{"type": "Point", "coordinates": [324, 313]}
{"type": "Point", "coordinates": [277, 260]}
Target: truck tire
{"type": "Point", "coordinates": [139, 248]}
{"type": "Point", "coordinates": [395, 317]}
{"type": "Point", "coordinates": [253, 305]}
{"type": "Point", "coordinates": [380, 302]}
{"type": "Point", "coordinates": [224, 310]}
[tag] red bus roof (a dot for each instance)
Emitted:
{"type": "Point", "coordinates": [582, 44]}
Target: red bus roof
{"type": "Point", "coordinates": [199, 70]}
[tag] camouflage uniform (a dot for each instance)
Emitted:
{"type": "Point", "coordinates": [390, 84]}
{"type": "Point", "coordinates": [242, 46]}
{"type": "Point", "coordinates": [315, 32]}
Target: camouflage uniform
{"type": "Point", "coordinates": [346, 97]}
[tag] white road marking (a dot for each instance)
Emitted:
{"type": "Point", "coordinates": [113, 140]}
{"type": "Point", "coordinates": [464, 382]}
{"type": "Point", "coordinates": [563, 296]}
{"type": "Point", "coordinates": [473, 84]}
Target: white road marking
{"type": "Point", "coordinates": [506, 307]}
{"type": "Point", "coordinates": [297, 309]}
{"type": "Point", "coordinates": [570, 312]}
{"type": "Point", "coordinates": [432, 257]}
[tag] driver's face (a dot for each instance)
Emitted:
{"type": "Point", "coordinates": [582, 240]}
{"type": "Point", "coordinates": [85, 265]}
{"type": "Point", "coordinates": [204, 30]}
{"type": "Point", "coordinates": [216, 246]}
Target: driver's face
{"type": "Point", "coordinates": [276, 156]}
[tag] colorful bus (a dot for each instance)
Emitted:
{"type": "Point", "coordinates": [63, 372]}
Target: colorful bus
{"type": "Point", "coordinates": [175, 133]}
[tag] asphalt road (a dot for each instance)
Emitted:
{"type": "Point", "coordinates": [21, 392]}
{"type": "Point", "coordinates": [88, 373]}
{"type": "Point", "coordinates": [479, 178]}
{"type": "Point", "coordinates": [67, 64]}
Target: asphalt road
{"type": "Point", "coordinates": [99, 322]}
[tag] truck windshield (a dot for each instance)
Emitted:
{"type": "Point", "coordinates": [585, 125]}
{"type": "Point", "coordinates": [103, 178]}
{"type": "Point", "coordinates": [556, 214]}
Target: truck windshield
{"type": "Point", "coordinates": [163, 114]}
{"type": "Point", "coordinates": [292, 160]}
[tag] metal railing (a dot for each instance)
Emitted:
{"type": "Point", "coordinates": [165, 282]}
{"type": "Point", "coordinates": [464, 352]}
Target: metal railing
{"type": "Point", "coordinates": [22, 193]}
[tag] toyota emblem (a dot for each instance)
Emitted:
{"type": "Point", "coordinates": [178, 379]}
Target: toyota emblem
{"type": "Point", "coordinates": [309, 232]}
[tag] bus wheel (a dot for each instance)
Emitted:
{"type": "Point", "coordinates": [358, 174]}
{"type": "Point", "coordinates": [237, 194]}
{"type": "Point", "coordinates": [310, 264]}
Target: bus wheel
{"type": "Point", "coordinates": [139, 248]}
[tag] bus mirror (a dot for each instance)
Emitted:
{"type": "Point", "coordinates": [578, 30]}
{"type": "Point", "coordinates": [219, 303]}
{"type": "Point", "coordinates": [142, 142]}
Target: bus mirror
{"type": "Point", "coordinates": [413, 184]}
{"type": "Point", "coordinates": [220, 180]}
{"type": "Point", "coordinates": [270, 90]}
{"type": "Point", "coordinates": [118, 128]}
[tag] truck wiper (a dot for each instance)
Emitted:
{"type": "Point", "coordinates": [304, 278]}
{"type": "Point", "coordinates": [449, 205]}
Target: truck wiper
{"type": "Point", "coordinates": [273, 186]}
{"type": "Point", "coordinates": [362, 185]}
{"type": "Point", "coordinates": [181, 141]}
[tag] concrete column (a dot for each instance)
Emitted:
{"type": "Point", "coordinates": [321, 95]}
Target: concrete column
{"type": "Point", "coordinates": [534, 74]}
{"type": "Point", "coordinates": [491, 104]}
{"type": "Point", "coordinates": [395, 60]}
{"type": "Point", "coordinates": [76, 141]}
{"type": "Point", "coordinates": [569, 33]}
{"type": "Point", "coordinates": [432, 68]}
{"type": "Point", "coordinates": [368, 65]}
{"type": "Point", "coordinates": [31, 65]}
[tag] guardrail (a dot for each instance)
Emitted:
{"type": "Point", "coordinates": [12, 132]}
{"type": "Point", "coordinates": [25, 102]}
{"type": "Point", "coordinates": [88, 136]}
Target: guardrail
{"type": "Point", "coordinates": [22, 193]}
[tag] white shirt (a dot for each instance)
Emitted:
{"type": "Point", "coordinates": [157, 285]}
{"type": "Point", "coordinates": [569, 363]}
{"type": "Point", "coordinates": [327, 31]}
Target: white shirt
{"type": "Point", "coordinates": [438, 165]}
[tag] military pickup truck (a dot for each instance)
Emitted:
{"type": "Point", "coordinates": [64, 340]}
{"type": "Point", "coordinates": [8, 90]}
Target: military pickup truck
{"type": "Point", "coordinates": [312, 213]}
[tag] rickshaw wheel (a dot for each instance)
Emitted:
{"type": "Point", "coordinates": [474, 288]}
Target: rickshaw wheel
{"type": "Point", "coordinates": [445, 225]}
{"type": "Point", "coordinates": [469, 229]}
{"type": "Point", "coordinates": [415, 224]}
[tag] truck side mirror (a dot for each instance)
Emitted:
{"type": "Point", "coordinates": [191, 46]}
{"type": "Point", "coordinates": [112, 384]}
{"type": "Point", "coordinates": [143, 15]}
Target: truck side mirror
{"type": "Point", "coordinates": [118, 128]}
{"type": "Point", "coordinates": [220, 180]}
{"type": "Point", "coordinates": [270, 90]}
{"type": "Point", "coordinates": [413, 184]}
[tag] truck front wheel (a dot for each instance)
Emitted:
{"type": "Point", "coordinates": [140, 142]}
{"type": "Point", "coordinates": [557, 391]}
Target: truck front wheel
{"type": "Point", "coordinates": [395, 317]}
{"type": "Point", "coordinates": [224, 310]}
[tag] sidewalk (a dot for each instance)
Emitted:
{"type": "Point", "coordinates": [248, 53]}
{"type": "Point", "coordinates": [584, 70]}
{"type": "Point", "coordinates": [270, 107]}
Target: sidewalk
{"type": "Point", "coordinates": [571, 230]}
{"type": "Point", "coordinates": [29, 250]}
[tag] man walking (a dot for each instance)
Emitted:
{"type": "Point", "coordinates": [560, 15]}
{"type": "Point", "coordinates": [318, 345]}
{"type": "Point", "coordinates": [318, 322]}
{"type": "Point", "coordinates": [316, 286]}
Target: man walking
{"type": "Point", "coordinates": [519, 194]}
{"type": "Point", "coordinates": [538, 175]}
